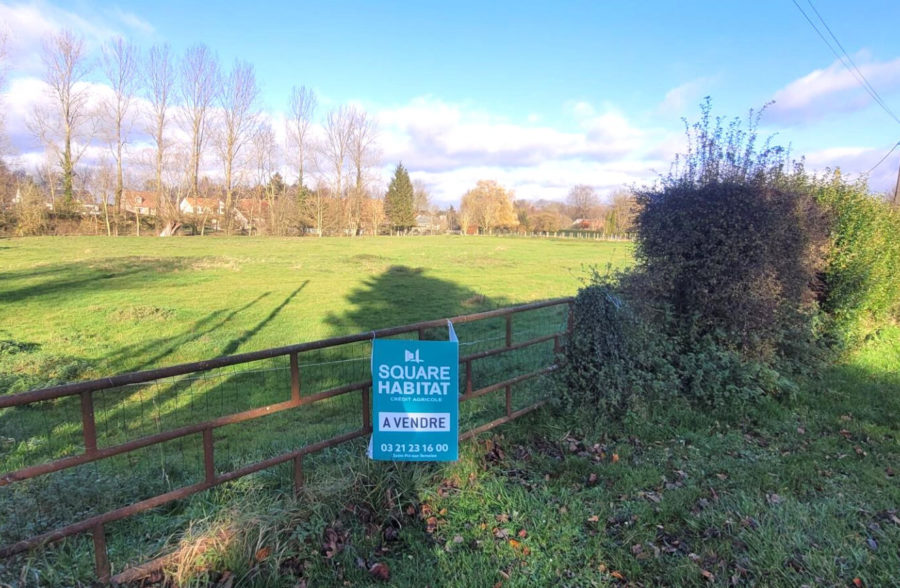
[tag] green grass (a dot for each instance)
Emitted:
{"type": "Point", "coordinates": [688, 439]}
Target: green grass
{"type": "Point", "coordinates": [90, 306]}
{"type": "Point", "coordinates": [86, 307]}
{"type": "Point", "coordinates": [785, 495]}
{"type": "Point", "coordinates": [801, 492]}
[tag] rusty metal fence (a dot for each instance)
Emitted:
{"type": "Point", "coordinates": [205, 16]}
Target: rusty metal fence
{"type": "Point", "coordinates": [163, 435]}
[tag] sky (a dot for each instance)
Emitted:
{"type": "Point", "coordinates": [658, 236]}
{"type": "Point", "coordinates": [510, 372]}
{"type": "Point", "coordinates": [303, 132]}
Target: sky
{"type": "Point", "coordinates": [539, 96]}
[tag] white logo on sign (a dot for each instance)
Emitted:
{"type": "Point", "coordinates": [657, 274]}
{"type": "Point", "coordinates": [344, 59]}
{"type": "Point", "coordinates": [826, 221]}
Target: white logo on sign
{"type": "Point", "coordinates": [413, 357]}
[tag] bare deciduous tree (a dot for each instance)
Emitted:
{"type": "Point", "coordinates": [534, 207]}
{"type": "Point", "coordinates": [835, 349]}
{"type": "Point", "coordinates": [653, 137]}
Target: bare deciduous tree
{"type": "Point", "coordinates": [160, 81]}
{"type": "Point", "coordinates": [420, 196]}
{"type": "Point", "coordinates": [4, 40]}
{"type": "Point", "coordinates": [583, 201]}
{"type": "Point", "coordinates": [199, 82]}
{"type": "Point", "coordinates": [264, 152]}
{"type": "Point", "coordinates": [63, 128]}
{"type": "Point", "coordinates": [363, 157]}
{"type": "Point", "coordinates": [303, 104]}
{"type": "Point", "coordinates": [120, 66]}
{"type": "Point", "coordinates": [335, 150]}
{"type": "Point", "coordinates": [237, 99]}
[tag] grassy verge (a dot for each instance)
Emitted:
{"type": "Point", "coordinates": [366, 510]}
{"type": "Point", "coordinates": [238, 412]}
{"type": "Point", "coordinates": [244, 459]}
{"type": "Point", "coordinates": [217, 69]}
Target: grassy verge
{"type": "Point", "coordinates": [805, 494]}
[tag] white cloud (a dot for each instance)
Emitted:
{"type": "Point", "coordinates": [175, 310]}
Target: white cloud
{"type": "Point", "coordinates": [687, 95]}
{"type": "Point", "coordinates": [451, 146]}
{"type": "Point", "coordinates": [854, 161]}
{"type": "Point", "coordinates": [30, 23]}
{"type": "Point", "coordinates": [833, 90]}
{"type": "Point", "coordinates": [433, 135]}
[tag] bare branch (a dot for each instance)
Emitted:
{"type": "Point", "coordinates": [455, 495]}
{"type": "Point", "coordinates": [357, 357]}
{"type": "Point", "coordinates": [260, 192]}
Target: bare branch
{"type": "Point", "coordinates": [199, 80]}
{"type": "Point", "coordinates": [237, 98]}
{"type": "Point", "coordinates": [120, 65]}
{"type": "Point", "coordinates": [160, 80]}
{"type": "Point", "coordinates": [63, 127]}
{"type": "Point", "coordinates": [303, 104]}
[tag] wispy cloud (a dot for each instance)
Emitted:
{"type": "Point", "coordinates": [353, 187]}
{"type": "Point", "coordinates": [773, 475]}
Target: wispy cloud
{"type": "Point", "coordinates": [451, 146]}
{"type": "Point", "coordinates": [684, 97]}
{"type": "Point", "coordinates": [134, 22]}
{"type": "Point", "coordinates": [31, 23]}
{"type": "Point", "coordinates": [834, 90]}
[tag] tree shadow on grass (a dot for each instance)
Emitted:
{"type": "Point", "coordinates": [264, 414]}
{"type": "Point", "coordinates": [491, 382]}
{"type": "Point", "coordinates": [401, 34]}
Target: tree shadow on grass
{"type": "Point", "coordinates": [403, 295]}
{"type": "Point", "coordinates": [75, 279]}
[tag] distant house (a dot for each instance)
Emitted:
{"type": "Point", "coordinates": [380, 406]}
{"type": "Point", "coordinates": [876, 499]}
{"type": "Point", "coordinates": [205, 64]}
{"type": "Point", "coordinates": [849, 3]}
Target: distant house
{"type": "Point", "coordinates": [588, 224]}
{"type": "Point", "coordinates": [251, 212]}
{"type": "Point", "coordinates": [425, 223]}
{"type": "Point", "coordinates": [202, 206]}
{"type": "Point", "coordinates": [143, 203]}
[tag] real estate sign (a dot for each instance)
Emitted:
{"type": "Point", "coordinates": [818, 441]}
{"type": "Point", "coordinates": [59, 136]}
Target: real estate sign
{"type": "Point", "coordinates": [415, 400]}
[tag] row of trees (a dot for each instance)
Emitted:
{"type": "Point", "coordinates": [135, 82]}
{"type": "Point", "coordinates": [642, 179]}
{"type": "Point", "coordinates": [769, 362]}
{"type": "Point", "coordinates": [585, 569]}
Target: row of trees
{"type": "Point", "coordinates": [164, 126]}
{"type": "Point", "coordinates": [163, 123]}
{"type": "Point", "coordinates": [489, 207]}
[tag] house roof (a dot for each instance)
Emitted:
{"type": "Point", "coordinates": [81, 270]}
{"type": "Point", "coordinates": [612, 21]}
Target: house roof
{"type": "Point", "coordinates": [251, 206]}
{"type": "Point", "coordinates": [142, 198]}
{"type": "Point", "coordinates": [211, 203]}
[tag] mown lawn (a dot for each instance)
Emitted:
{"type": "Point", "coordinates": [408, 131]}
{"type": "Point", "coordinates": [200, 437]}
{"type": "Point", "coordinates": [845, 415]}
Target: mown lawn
{"type": "Point", "coordinates": [82, 307]}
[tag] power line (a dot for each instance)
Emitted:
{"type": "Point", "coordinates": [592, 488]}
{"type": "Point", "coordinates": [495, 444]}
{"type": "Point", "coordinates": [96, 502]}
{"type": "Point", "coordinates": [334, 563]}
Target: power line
{"type": "Point", "coordinates": [872, 91]}
{"type": "Point", "coordinates": [844, 58]}
{"type": "Point", "coordinates": [886, 155]}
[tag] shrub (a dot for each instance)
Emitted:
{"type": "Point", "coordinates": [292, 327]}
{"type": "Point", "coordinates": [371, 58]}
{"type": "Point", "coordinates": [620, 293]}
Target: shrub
{"type": "Point", "coordinates": [618, 360]}
{"type": "Point", "coordinates": [861, 285]}
{"type": "Point", "coordinates": [728, 242]}
{"type": "Point", "coordinates": [612, 359]}
{"type": "Point", "coordinates": [737, 260]}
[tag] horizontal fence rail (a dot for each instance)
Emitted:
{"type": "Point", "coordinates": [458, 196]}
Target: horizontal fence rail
{"type": "Point", "coordinates": [187, 413]}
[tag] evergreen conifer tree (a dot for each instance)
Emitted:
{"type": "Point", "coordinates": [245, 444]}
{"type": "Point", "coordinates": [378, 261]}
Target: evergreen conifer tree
{"type": "Point", "coordinates": [398, 202]}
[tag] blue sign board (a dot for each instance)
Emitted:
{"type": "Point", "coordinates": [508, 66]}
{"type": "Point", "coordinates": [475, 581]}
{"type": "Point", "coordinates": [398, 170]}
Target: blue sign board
{"type": "Point", "coordinates": [415, 400]}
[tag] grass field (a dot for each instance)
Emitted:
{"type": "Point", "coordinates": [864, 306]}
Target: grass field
{"type": "Point", "coordinates": [84, 307]}
{"type": "Point", "coordinates": [801, 491]}
{"type": "Point", "coordinates": [77, 308]}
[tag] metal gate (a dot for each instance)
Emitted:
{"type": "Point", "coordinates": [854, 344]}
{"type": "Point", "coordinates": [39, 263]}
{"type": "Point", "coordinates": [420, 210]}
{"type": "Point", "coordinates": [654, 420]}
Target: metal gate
{"type": "Point", "coordinates": [77, 443]}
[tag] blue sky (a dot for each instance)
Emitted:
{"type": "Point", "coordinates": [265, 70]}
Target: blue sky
{"type": "Point", "coordinates": [540, 96]}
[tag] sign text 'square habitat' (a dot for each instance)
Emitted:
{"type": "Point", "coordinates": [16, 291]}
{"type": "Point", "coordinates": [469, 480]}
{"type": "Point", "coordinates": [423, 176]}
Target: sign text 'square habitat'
{"type": "Point", "coordinates": [415, 400]}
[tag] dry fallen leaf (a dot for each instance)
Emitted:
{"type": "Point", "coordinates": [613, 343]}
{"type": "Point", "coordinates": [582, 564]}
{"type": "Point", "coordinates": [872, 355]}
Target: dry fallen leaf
{"type": "Point", "coordinates": [857, 582]}
{"type": "Point", "coordinates": [380, 571]}
{"type": "Point", "coordinates": [522, 533]}
{"type": "Point", "coordinates": [262, 554]}
{"type": "Point", "coordinates": [617, 575]}
{"type": "Point", "coordinates": [593, 519]}
{"type": "Point", "coordinates": [615, 458]}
